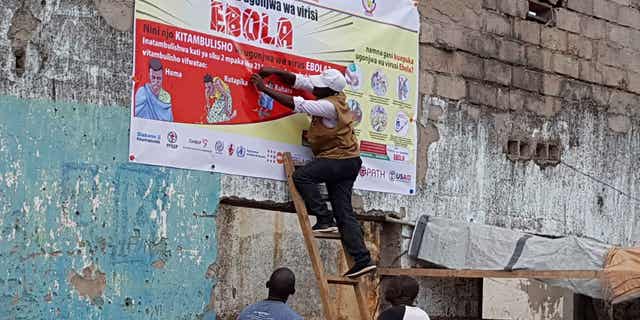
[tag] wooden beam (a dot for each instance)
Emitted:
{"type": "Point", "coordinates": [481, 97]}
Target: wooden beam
{"type": "Point", "coordinates": [288, 207]}
{"type": "Point", "coordinates": [263, 205]}
{"type": "Point", "coordinates": [524, 274]}
{"type": "Point", "coordinates": [341, 280]}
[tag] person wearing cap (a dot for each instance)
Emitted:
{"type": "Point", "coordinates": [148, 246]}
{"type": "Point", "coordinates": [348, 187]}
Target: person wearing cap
{"type": "Point", "coordinates": [337, 156]}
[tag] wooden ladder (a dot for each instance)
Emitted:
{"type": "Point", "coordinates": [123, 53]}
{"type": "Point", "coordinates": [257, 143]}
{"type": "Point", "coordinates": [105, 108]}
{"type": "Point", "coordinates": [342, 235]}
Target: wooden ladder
{"type": "Point", "coordinates": [324, 279]}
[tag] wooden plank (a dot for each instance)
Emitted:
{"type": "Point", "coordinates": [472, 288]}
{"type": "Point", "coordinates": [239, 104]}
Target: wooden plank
{"type": "Point", "coordinates": [525, 274]}
{"type": "Point", "coordinates": [288, 207]}
{"type": "Point", "coordinates": [341, 280]}
{"type": "Point", "coordinates": [327, 235]}
{"type": "Point", "coordinates": [309, 240]}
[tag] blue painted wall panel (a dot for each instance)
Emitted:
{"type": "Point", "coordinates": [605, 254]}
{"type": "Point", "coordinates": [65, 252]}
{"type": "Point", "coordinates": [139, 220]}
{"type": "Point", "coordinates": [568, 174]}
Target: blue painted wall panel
{"type": "Point", "coordinates": [72, 207]}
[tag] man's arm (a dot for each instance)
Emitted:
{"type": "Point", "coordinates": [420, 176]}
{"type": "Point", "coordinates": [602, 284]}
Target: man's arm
{"type": "Point", "coordinates": [287, 77]}
{"type": "Point", "coordinates": [284, 99]}
{"type": "Point", "coordinates": [318, 108]}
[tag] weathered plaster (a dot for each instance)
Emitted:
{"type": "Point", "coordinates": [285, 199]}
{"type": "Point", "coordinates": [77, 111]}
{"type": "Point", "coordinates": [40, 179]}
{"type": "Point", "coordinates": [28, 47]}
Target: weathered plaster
{"type": "Point", "coordinates": [256, 243]}
{"type": "Point", "coordinates": [73, 56]}
{"type": "Point", "coordinates": [81, 51]}
{"type": "Point", "coordinates": [468, 177]}
{"type": "Point", "coordinates": [525, 299]}
{"type": "Point", "coordinates": [86, 235]}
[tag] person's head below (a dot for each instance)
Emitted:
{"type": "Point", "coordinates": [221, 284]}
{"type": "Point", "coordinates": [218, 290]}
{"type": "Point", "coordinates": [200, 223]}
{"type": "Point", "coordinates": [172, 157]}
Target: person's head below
{"type": "Point", "coordinates": [281, 284]}
{"type": "Point", "coordinates": [155, 75]}
{"type": "Point", "coordinates": [401, 291]}
{"type": "Point", "coordinates": [329, 83]}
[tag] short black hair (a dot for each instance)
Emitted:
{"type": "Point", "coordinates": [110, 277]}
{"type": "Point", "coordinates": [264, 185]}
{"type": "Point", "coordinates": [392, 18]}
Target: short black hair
{"type": "Point", "coordinates": [208, 78]}
{"type": "Point", "coordinates": [401, 290]}
{"type": "Point", "coordinates": [282, 283]}
{"type": "Point", "coordinates": [155, 64]}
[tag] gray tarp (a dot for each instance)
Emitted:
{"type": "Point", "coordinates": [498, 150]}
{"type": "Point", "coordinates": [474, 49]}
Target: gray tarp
{"type": "Point", "coordinates": [459, 245]}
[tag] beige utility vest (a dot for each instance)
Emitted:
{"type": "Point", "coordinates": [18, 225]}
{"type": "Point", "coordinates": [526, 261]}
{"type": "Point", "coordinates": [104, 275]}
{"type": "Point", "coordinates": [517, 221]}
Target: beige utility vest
{"type": "Point", "coordinates": [339, 142]}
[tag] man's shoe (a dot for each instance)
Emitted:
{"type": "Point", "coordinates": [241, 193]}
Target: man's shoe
{"type": "Point", "coordinates": [325, 227]}
{"type": "Point", "coordinates": [360, 269]}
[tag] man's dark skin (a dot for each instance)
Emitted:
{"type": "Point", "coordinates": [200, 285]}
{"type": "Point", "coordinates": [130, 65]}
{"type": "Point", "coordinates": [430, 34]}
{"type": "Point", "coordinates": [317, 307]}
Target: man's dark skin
{"type": "Point", "coordinates": [289, 79]}
{"type": "Point", "coordinates": [281, 285]}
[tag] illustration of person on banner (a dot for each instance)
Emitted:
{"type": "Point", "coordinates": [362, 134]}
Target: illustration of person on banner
{"type": "Point", "coordinates": [218, 102]}
{"type": "Point", "coordinates": [265, 103]}
{"type": "Point", "coordinates": [151, 100]}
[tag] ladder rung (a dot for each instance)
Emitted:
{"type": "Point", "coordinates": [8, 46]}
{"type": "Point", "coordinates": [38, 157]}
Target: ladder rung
{"type": "Point", "coordinates": [327, 235]}
{"type": "Point", "coordinates": [342, 280]}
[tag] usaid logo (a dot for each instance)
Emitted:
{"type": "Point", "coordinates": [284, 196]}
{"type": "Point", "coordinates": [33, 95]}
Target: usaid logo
{"type": "Point", "coordinates": [399, 177]}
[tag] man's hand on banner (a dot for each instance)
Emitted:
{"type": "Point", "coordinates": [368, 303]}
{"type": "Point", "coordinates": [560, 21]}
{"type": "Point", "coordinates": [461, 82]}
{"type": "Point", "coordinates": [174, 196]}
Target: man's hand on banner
{"type": "Point", "coordinates": [258, 82]}
{"type": "Point", "coordinates": [267, 71]}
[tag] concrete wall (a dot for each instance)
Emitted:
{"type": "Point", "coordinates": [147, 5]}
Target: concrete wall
{"type": "Point", "coordinates": [523, 299]}
{"type": "Point", "coordinates": [257, 242]}
{"type": "Point", "coordinates": [490, 80]}
{"type": "Point", "coordinates": [86, 235]}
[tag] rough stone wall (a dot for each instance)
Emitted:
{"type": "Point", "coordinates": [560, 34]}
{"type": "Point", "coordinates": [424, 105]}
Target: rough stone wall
{"type": "Point", "coordinates": [256, 242]}
{"type": "Point", "coordinates": [495, 87]}
{"type": "Point", "coordinates": [492, 79]}
{"type": "Point", "coordinates": [500, 89]}
{"type": "Point", "coordinates": [66, 50]}
{"type": "Point", "coordinates": [533, 126]}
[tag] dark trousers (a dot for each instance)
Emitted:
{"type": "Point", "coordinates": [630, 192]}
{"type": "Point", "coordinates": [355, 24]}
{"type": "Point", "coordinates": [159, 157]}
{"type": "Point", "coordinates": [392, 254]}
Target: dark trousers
{"type": "Point", "coordinates": [339, 176]}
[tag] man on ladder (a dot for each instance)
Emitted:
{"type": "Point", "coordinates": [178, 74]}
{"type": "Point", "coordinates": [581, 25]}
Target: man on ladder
{"type": "Point", "coordinates": [337, 156]}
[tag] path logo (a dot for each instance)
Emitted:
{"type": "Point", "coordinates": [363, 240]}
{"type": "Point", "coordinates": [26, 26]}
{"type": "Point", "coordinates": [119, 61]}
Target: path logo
{"type": "Point", "coordinates": [372, 172]}
{"type": "Point", "coordinates": [369, 6]}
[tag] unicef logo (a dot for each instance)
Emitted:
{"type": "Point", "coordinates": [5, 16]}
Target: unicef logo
{"type": "Point", "coordinates": [219, 146]}
{"type": "Point", "coordinates": [172, 137]}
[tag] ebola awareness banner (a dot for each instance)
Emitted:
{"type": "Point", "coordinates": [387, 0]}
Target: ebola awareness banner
{"type": "Point", "coordinates": [194, 107]}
